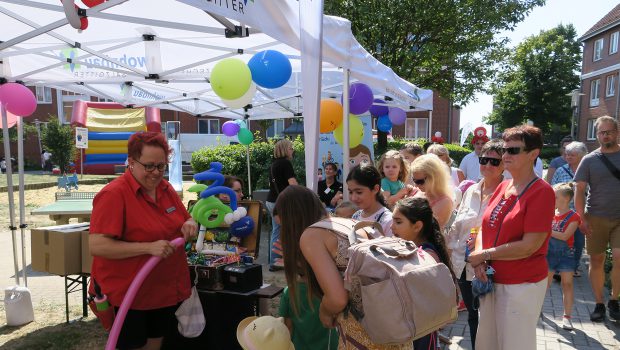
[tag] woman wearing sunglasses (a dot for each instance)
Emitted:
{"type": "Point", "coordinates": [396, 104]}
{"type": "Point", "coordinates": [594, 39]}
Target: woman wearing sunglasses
{"type": "Point", "coordinates": [430, 176]}
{"type": "Point", "coordinates": [469, 216]}
{"type": "Point", "coordinates": [135, 217]}
{"type": "Point", "coordinates": [516, 227]}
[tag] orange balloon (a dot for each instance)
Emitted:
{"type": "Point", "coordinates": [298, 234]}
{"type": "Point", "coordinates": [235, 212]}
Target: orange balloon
{"type": "Point", "coordinates": [330, 116]}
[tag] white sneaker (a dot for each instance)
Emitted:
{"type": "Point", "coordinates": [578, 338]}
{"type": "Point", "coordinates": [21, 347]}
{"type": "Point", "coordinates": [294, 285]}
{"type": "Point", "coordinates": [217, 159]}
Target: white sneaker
{"type": "Point", "coordinates": [567, 324]}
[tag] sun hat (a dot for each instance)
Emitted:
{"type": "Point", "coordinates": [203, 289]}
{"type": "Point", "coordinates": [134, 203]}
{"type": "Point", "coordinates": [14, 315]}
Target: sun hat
{"type": "Point", "coordinates": [262, 333]}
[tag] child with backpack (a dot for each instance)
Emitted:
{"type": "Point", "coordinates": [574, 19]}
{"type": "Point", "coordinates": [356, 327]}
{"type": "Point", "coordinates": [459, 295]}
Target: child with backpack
{"type": "Point", "coordinates": [393, 170]}
{"type": "Point", "coordinates": [364, 184]}
{"type": "Point", "coordinates": [412, 220]}
{"type": "Point", "coordinates": [560, 255]}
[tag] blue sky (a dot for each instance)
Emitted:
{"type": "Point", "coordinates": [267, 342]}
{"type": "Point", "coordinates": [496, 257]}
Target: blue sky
{"type": "Point", "coordinates": [583, 14]}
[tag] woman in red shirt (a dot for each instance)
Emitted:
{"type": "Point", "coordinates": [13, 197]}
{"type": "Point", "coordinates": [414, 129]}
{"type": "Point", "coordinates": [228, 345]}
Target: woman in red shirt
{"type": "Point", "coordinates": [515, 233]}
{"type": "Point", "coordinates": [135, 217]}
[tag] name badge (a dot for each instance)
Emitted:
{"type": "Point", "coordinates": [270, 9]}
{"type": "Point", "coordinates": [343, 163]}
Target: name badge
{"type": "Point", "coordinates": [170, 210]}
{"type": "Point", "coordinates": [327, 190]}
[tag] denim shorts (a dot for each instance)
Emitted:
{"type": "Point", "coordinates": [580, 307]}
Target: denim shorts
{"type": "Point", "coordinates": [560, 257]}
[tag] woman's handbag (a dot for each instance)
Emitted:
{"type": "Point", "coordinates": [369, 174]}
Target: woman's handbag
{"type": "Point", "coordinates": [190, 316]}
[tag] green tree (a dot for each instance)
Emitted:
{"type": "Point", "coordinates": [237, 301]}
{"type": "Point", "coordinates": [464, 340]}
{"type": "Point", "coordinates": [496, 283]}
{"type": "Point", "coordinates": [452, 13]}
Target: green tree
{"type": "Point", "coordinates": [534, 83]}
{"type": "Point", "coordinates": [58, 140]}
{"type": "Point", "coordinates": [449, 46]}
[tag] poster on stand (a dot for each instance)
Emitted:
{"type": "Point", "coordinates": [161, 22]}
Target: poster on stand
{"type": "Point", "coordinates": [330, 151]}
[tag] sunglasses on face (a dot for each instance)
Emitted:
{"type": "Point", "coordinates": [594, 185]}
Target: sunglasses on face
{"type": "Point", "coordinates": [513, 150]}
{"type": "Point", "coordinates": [486, 160]}
{"type": "Point", "coordinates": [419, 181]}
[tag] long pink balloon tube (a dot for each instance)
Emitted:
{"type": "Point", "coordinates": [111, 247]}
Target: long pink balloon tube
{"type": "Point", "coordinates": [134, 287]}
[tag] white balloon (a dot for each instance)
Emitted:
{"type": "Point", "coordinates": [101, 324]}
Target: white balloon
{"type": "Point", "coordinates": [229, 218]}
{"type": "Point", "coordinates": [236, 215]}
{"type": "Point", "coordinates": [243, 212]}
{"type": "Point", "coordinates": [244, 100]}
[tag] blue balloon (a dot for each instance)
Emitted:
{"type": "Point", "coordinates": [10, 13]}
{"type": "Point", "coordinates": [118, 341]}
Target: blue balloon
{"type": "Point", "coordinates": [243, 227]}
{"type": "Point", "coordinates": [270, 69]}
{"type": "Point", "coordinates": [384, 124]}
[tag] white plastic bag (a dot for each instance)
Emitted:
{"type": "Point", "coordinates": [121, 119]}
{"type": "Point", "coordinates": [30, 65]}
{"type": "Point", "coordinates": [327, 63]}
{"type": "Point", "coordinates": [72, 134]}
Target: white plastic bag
{"type": "Point", "coordinates": [190, 316]}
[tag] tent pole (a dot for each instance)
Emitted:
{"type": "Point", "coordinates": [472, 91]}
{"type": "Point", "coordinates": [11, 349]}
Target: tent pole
{"type": "Point", "coordinates": [9, 191]}
{"type": "Point", "coordinates": [22, 208]}
{"type": "Point", "coordinates": [247, 158]}
{"type": "Point", "coordinates": [430, 125]}
{"type": "Point", "coordinates": [346, 165]}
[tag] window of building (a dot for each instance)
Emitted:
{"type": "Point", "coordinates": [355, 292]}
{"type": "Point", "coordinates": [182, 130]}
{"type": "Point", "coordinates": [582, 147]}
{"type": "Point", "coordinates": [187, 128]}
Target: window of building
{"type": "Point", "coordinates": [44, 94]}
{"type": "Point", "coordinates": [610, 89]}
{"type": "Point", "coordinates": [594, 85]}
{"type": "Point", "coordinates": [598, 49]}
{"type": "Point", "coordinates": [276, 128]}
{"type": "Point", "coordinates": [613, 43]}
{"type": "Point", "coordinates": [416, 128]}
{"type": "Point", "coordinates": [209, 126]}
{"type": "Point", "coordinates": [591, 130]}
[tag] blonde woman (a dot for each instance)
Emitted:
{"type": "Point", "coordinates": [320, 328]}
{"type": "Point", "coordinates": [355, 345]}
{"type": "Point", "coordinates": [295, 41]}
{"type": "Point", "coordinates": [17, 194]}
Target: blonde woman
{"type": "Point", "coordinates": [281, 174]}
{"type": "Point", "coordinates": [429, 175]}
{"type": "Point", "coordinates": [442, 152]}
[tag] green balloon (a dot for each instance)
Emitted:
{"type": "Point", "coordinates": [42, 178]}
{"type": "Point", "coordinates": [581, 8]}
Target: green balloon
{"type": "Point", "coordinates": [230, 78]}
{"type": "Point", "coordinates": [356, 131]}
{"type": "Point", "coordinates": [245, 136]}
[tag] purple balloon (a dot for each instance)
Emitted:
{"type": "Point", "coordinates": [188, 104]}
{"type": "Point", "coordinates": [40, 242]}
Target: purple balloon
{"type": "Point", "coordinates": [360, 98]}
{"type": "Point", "coordinates": [18, 99]}
{"type": "Point", "coordinates": [397, 116]}
{"type": "Point", "coordinates": [230, 128]}
{"type": "Point", "coordinates": [377, 110]}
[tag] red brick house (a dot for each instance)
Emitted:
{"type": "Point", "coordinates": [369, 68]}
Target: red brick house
{"type": "Point", "coordinates": [600, 84]}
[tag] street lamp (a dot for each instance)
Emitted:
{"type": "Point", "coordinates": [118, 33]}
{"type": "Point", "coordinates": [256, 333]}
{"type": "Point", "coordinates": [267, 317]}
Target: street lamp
{"type": "Point", "coordinates": [574, 103]}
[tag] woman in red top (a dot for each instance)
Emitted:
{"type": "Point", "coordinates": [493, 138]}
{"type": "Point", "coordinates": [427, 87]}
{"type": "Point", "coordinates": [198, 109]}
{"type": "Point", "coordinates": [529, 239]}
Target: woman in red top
{"type": "Point", "coordinates": [515, 233]}
{"type": "Point", "coordinates": [135, 217]}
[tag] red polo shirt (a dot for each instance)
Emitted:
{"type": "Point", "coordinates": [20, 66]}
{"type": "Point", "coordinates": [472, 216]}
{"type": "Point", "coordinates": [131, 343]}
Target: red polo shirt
{"type": "Point", "coordinates": [533, 212]}
{"type": "Point", "coordinates": [123, 210]}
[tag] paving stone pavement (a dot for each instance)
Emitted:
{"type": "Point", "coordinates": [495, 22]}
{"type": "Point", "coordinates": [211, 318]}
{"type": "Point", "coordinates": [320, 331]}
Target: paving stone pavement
{"type": "Point", "coordinates": [587, 335]}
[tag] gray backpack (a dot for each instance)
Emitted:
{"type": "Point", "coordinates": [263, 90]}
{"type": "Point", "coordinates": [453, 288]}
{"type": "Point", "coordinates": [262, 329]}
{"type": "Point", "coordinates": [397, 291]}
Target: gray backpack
{"type": "Point", "coordinates": [405, 293]}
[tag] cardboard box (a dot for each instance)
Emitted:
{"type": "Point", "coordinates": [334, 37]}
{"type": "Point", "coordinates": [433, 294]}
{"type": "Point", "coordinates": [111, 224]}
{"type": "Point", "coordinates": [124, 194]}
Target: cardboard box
{"type": "Point", "coordinates": [87, 258]}
{"type": "Point", "coordinates": [58, 249]}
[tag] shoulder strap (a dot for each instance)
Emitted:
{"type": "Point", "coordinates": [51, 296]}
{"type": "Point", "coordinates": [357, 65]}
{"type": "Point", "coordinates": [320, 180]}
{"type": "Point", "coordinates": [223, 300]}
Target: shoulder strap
{"type": "Point", "coordinates": [565, 220]}
{"type": "Point", "coordinates": [512, 206]}
{"type": "Point", "coordinates": [612, 168]}
{"type": "Point", "coordinates": [566, 169]}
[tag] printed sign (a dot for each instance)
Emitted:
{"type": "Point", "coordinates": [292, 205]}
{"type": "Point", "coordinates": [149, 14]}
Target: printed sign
{"type": "Point", "coordinates": [81, 137]}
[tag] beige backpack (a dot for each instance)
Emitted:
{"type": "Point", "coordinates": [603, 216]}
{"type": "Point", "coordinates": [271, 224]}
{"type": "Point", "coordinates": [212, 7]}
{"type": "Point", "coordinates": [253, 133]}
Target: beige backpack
{"type": "Point", "coordinates": [405, 293]}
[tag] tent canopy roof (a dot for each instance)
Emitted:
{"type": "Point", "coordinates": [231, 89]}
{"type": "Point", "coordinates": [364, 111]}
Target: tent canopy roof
{"type": "Point", "coordinates": [139, 54]}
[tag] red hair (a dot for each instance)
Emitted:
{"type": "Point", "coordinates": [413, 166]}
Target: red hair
{"type": "Point", "coordinates": [150, 138]}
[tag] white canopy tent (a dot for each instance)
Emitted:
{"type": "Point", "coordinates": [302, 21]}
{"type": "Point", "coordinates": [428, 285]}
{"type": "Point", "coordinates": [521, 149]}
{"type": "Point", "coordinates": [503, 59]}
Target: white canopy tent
{"type": "Point", "coordinates": [159, 54]}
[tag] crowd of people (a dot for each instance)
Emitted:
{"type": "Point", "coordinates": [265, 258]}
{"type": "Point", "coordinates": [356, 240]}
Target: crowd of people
{"type": "Point", "coordinates": [502, 231]}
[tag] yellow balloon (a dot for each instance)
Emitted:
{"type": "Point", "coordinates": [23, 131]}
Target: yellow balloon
{"type": "Point", "coordinates": [356, 131]}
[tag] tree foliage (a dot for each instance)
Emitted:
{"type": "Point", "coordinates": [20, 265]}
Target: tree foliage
{"type": "Point", "coordinates": [449, 46]}
{"type": "Point", "coordinates": [58, 140]}
{"type": "Point", "coordinates": [534, 83]}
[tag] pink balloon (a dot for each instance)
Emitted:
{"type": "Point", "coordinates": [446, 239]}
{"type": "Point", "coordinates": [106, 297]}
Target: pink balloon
{"type": "Point", "coordinates": [11, 119]}
{"type": "Point", "coordinates": [18, 99]}
{"type": "Point", "coordinates": [397, 116]}
{"type": "Point", "coordinates": [135, 285]}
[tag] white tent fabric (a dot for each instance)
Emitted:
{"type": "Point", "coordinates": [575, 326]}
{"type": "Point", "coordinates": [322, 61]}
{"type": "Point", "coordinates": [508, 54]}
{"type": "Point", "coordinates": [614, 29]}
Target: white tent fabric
{"type": "Point", "coordinates": [159, 54]}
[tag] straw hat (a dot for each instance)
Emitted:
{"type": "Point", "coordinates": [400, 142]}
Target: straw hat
{"type": "Point", "coordinates": [264, 333]}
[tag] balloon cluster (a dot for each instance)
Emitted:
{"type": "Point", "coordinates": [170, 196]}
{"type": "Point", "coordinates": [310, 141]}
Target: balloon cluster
{"type": "Point", "coordinates": [360, 101]}
{"type": "Point", "coordinates": [210, 212]}
{"type": "Point", "coordinates": [18, 101]}
{"type": "Point", "coordinates": [235, 83]}
{"type": "Point", "coordinates": [387, 116]}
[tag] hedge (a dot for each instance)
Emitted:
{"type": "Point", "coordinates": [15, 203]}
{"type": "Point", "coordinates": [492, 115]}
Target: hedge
{"type": "Point", "coordinates": [456, 152]}
{"type": "Point", "coordinates": [233, 159]}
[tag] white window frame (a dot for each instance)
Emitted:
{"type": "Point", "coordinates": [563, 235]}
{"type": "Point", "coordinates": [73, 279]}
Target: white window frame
{"type": "Point", "coordinates": [416, 127]}
{"type": "Point", "coordinates": [610, 88]}
{"type": "Point", "coordinates": [208, 124]}
{"type": "Point", "coordinates": [591, 135]}
{"type": "Point", "coordinates": [44, 94]}
{"type": "Point", "coordinates": [598, 49]}
{"type": "Point", "coordinates": [276, 130]}
{"type": "Point", "coordinates": [594, 92]}
{"type": "Point", "coordinates": [613, 42]}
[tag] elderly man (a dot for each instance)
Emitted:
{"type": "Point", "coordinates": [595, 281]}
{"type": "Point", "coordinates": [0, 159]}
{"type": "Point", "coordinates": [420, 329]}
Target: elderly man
{"type": "Point", "coordinates": [601, 222]}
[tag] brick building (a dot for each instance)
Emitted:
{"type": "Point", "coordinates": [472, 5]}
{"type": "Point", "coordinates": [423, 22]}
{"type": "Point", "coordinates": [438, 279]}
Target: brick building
{"type": "Point", "coordinates": [600, 84]}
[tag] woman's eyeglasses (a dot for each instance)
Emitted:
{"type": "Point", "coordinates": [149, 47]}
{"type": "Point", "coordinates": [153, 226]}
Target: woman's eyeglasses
{"type": "Point", "coordinates": [151, 167]}
{"type": "Point", "coordinates": [419, 181]}
{"type": "Point", "coordinates": [513, 150]}
{"type": "Point", "coordinates": [486, 160]}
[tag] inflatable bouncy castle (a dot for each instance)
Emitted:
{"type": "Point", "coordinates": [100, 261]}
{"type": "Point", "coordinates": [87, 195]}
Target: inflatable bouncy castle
{"type": "Point", "coordinates": [109, 127]}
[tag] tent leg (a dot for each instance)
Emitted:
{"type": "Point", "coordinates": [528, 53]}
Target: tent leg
{"type": "Point", "coordinates": [22, 205]}
{"type": "Point", "coordinates": [346, 165]}
{"type": "Point", "coordinates": [247, 158]}
{"type": "Point", "coordinates": [9, 182]}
